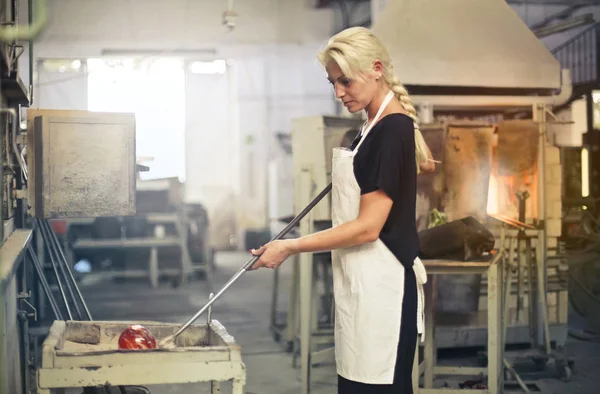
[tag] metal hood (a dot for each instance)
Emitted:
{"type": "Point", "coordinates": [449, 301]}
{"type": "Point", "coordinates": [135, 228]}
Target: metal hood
{"type": "Point", "coordinates": [464, 43]}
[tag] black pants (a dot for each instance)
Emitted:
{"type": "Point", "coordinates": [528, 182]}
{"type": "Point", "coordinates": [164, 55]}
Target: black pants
{"type": "Point", "coordinates": [406, 349]}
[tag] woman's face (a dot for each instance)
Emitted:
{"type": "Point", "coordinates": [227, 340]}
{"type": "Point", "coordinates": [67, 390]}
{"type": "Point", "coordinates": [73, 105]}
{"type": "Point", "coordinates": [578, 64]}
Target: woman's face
{"type": "Point", "coordinates": [355, 94]}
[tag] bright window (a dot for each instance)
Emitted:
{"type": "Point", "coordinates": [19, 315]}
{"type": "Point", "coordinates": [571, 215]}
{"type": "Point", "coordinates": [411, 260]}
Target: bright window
{"type": "Point", "coordinates": [154, 89]}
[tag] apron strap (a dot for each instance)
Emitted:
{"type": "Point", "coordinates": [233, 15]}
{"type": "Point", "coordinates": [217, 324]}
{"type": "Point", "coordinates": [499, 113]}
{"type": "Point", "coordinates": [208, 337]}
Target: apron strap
{"type": "Point", "coordinates": [384, 104]}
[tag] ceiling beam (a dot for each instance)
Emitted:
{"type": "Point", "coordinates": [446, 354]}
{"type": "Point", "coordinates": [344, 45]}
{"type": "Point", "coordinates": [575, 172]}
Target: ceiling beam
{"type": "Point", "coordinates": [562, 15]}
{"type": "Point", "coordinates": [568, 24]}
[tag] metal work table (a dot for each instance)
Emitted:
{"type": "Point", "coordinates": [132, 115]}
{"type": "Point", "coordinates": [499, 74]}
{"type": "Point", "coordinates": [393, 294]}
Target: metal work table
{"type": "Point", "coordinates": [428, 368]}
{"type": "Point", "coordinates": [495, 351]}
{"type": "Point", "coordinates": [152, 243]}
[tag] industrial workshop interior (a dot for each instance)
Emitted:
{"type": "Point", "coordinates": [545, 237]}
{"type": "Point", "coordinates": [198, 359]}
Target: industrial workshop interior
{"type": "Point", "coordinates": [138, 262]}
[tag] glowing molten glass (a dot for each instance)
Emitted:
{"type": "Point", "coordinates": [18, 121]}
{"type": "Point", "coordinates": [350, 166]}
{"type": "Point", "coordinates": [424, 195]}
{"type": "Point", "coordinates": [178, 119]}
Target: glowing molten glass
{"type": "Point", "coordinates": [136, 337]}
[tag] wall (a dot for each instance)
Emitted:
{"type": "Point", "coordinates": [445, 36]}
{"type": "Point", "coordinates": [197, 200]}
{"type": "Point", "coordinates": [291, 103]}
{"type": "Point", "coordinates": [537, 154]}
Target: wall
{"type": "Point", "coordinates": [292, 84]}
{"type": "Point", "coordinates": [159, 24]}
{"type": "Point", "coordinates": [273, 76]}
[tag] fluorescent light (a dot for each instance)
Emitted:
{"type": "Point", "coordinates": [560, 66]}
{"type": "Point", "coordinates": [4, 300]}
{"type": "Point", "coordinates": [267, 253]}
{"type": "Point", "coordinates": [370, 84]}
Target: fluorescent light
{"type": "Point", "coordinates": [214, 67]}
{"type": "Point", "coordinates": [585, 176]}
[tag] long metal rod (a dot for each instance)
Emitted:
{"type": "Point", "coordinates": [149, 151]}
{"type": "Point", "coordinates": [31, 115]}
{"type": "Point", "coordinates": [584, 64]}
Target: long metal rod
{"type": "Point", "coordinates": [61, 264]}
{"type": "Point", "coordinates": [48, 232]}
{"type": "Point", "coordinates": [70, 276]}
{"type": "Point", "coordinates": [58, 281]}
{"type": "Point", "coordinates": [53, 254]}
{"type": "Point", "coordinates": [70, 272]}
{"type": "Point", "coordinates": [44, 282]}
{"type": "Point", "coordinates": [254, 259]}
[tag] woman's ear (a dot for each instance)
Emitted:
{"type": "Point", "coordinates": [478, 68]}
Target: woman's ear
{"type": "Point", "coordinates": [377, 69]}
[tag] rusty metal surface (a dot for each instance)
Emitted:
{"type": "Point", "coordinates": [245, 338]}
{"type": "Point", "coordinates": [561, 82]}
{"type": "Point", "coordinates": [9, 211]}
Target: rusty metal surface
{"type": "Point", "coordinates": [430, 185]}
{"type": "Point", "coordinates": [517, 146]}
{"type": "Point", "coordinates": [515, 169]}
{"type": "Point", "coordinates": [466, 168]}
{"type": "Point", "coordinates": [511, 222]}
{"type": "Point", "coordinates": [459, 188]}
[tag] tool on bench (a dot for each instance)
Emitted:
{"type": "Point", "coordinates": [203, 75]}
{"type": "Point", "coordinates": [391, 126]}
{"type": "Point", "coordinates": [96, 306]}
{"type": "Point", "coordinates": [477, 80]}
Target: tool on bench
{"type": "Point", "coordinates": [169, 341]}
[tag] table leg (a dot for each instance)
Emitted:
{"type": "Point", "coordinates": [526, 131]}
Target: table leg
{"type": "Point", "coordinates": [186, 260]}
{"type": "Point", "coordinates": [306, 281]}
{"type": "Point", "coordinates": [495, 328]}
{"type": "Point", "coordinates": [430, 351]}
{"type": "Point", "coordinates": [215, 387]}
{"type": "Point", "coordinates": [506, 299]}
{"type": "Point", "coordinates": [306, 271]}
{"type": "Point", "coordinates": [415, 371]}
{"type": "Point", "coordinates": [274, 298]}
{"type": "Point", "coordinates": [238, 386]}
{"type": "Point", "coordinates": [153, 267]}
{"type": "Point", "coordinates": [291, 329]}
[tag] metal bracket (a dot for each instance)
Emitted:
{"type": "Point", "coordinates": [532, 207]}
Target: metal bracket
{"type": "Point", "coordinates": [27, 310]}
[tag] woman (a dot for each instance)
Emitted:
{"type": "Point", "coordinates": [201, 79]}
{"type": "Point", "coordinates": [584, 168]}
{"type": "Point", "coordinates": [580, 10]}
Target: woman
{"type": "Point", "coordinates": [374, 242]}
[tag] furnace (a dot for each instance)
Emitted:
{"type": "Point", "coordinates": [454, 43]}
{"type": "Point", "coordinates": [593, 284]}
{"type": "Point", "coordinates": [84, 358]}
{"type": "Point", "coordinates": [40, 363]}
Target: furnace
{"type": "Point", "coordinates": [490, 171]}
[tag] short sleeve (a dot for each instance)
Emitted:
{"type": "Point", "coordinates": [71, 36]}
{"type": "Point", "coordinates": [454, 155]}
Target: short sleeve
{"type": "Point", "coordinates": [384, 171]}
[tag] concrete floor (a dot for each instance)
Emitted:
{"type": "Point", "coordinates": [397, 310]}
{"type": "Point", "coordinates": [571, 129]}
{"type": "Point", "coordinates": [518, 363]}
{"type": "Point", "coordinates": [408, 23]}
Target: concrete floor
{"type": "Point", "coordinates": [245, 311]}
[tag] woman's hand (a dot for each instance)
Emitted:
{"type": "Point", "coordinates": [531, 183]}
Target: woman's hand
{"type": "Point", "coordinates": [272, 254]}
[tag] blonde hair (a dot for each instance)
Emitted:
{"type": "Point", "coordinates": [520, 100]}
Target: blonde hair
{"type": "Point", "coordinates": [354, 50]}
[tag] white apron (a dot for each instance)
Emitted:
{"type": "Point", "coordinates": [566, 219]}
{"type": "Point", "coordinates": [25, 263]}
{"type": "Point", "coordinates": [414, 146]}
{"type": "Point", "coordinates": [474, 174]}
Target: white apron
{"type": "Point", "coordinates": [368, 286]}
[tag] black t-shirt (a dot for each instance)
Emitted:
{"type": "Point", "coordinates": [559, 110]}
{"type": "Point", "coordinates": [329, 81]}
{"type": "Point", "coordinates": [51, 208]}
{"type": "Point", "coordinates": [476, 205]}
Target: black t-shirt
{"type": "Point", "coordinates": [386, 161]}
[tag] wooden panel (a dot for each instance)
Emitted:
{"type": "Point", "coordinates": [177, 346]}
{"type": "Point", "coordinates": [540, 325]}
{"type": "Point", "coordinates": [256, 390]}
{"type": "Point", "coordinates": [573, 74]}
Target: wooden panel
{"type": "Point", "coordinates": [82, 164]}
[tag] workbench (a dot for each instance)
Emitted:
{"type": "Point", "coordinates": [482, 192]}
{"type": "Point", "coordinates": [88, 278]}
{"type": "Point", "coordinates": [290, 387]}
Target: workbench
{"type": "Point", "coordinates": [495, 347]}
{"type": "Point", "coordinates": [85, 354]}
{"type": "Point", "coordinates": [489, 265]}
{"type": "Point", "coordinates": [179, 274]}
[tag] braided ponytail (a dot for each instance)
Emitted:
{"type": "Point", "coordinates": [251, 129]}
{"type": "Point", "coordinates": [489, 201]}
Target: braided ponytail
{"type": "Point", "coordinates": [403, 97]}
{"type": "Point", "coordinates": [354, 51]}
